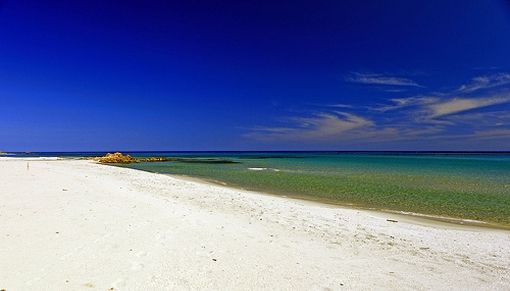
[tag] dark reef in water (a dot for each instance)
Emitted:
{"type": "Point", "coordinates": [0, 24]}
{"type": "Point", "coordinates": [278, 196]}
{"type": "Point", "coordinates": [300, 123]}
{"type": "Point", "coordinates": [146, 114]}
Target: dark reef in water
{"type": "Point", "coordinates": [270, 157]}
{"type": "Point", "coordinates": [201, 160]}
{"type": "Point", "coordinates": [187, 160]}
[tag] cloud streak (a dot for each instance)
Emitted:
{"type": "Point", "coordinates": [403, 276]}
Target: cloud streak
{"type": "Point", "coordinates": [379, 79]}
{"type": "Point", "coordinates": [399, 103]}
{"type": "Point", "coordinates": [318, 127]}
{"type": "Point", "coordinates": [458, 105]}
{"type": "Point", "coordinates": [436, 116]}
{"type": "Point", "coordinates": [492, 134]}
{"type": "Point", "coordinates": [435, 107]}
{"type": "Point", "coordinates": [485, 82]}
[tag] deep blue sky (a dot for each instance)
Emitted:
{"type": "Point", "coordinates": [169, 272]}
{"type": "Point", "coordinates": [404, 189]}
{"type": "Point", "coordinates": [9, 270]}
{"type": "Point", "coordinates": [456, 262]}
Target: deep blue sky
{"type": "Point", "coordinates": [254, 75]}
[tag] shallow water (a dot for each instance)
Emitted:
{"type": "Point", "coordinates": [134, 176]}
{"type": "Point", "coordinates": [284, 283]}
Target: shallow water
{"type": "Point", "coordinates": [468, 186]}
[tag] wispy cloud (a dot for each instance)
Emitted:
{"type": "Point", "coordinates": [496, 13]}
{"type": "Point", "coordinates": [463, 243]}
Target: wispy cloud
{"type": "Point", "coordinates": [398, 103]}
{"type": "Point", "coordinates": [471, 112]}
{"type": "Point", "coordinates": [398, 90]}
{"type": "Point", "coordinates": [492, 134]}
{"type": "Point", "coordinates": [340, 105]}
{"type": "Point", "coordinates": [457, 105]}
{"type": "Point", "coordinates": [485, 82]}
{"type": "Point", "coordinates": [434, 106]}
{"type": "Point", "coordinates": [318, 127]}
{"type": "Point", "coordinates": [496, 118]}
{"type": "Point", "coordinates": [380, 79]}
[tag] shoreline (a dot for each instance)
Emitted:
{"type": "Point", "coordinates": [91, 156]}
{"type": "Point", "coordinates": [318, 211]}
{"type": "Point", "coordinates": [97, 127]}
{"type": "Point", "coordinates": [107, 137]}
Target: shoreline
{"type": "Point", "coordinates": [74, 224]}
{"type": "Point", "coordinates": [418, 218]}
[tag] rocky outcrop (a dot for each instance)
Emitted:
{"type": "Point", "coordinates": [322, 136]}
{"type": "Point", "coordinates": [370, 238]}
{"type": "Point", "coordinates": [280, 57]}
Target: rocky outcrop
{"type": "Point", "coordinates": [116, 158]}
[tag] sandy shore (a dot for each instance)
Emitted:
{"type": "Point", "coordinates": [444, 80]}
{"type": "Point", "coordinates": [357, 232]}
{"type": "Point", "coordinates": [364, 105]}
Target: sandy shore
{"type": "Point", "coordinates": [74, 224]}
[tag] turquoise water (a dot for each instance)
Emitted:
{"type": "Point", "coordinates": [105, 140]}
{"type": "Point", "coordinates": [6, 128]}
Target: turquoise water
{"type": "Point", "coordinates": [467, 186]}
{"type": "Point", "coordinates": [458, 185]}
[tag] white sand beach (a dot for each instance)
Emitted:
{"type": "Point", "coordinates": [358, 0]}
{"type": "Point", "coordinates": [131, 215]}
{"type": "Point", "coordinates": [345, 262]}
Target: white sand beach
{"type": "Point", "coordinates": [79, 225]}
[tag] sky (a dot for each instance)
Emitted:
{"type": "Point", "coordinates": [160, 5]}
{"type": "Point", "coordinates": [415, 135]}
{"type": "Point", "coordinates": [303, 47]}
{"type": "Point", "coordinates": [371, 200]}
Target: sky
{"type": "Point", "coordinates": [254, 75]}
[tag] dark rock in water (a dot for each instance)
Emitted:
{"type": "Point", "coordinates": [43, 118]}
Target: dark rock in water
{"type": "Point", "coordinates": [189, 160]}
{"type": "Point", "coordinates": [154, 159]}
{"type": "Point", "coordinates": [205, 161]}
{"type": "Point", "coordinates": [270, 157]}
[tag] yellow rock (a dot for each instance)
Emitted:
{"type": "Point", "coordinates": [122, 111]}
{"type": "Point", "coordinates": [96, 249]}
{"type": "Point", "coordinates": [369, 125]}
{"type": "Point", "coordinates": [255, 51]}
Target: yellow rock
{"type": "Point", "coordinates": [116, 158]}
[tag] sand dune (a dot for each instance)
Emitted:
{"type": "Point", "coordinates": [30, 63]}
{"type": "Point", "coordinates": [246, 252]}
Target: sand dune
{"type": "Point", "coordinates": [75, 224]}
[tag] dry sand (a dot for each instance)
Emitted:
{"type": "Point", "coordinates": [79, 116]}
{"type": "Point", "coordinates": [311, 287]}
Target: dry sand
{"type": "Point", "coordinates": [74, 224]}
